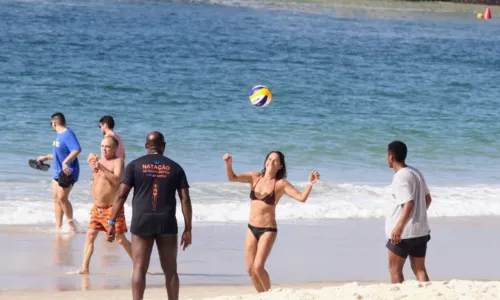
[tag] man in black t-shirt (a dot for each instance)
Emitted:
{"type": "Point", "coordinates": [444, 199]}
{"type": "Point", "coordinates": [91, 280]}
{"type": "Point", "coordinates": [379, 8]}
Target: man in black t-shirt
{"type": "Point", "coordinates": [155, 179]}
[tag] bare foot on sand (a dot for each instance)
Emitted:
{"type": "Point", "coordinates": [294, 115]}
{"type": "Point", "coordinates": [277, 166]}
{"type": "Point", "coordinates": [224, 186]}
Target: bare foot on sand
{"type": "Point", "coordinates": [80, 271]}
{"type": "Point", "coordinates": [83, 271]}
{"type": "Point", "coordinates": [71, 225]}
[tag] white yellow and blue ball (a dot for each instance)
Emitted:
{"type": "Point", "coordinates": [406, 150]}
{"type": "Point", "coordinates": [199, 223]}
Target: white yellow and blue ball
{"type": "Point", "coordinates": [260, 96]}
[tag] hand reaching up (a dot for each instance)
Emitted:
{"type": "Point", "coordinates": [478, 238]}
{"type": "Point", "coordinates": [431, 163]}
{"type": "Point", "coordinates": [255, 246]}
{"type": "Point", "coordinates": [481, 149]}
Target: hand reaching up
{"type": "Point", "coordinates": [313, 177]}
{"type": "Point", "coordinates": [227, 158]}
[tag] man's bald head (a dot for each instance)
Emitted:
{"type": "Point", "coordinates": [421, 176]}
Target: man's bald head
{"type": "Point", "coordinates": [155, 142]}
{"type": "Point", "coordinates": [109, 145]}
{"type": "Point", "coordinates": [113, 140]}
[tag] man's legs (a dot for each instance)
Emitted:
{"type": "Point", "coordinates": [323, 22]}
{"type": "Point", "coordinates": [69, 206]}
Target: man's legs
{"type": "Point", "coordinates": [121, 229]}
{"type": "Point", "coordinates": [57, 205]}
{"type": "Point", "coordinates": [61, 196]}
{"type": "Point", "coordinates": [122, 240]}
{"type": "Point", "coordinates": [141, 255]}
{"type": "Point", "coordinates": [88, 250]}
{"type": "Point", "coordinates": [417, 258]}
{"type": "Point", "coordinates": [396, 264]}
{"type": "Point", "coordinates": [397, 257]}
{"type": "Point", "coordinates": [167, 250]}
{"type": "Point", "coordinates": [418, 267]}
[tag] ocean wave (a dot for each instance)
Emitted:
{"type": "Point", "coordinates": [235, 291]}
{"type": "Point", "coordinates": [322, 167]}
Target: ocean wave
{"type": "Point", "coordinates": [229, 202]}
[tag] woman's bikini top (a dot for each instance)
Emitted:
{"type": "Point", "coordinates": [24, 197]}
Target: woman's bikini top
{"type": "Point", "coordinates": [269, 199]}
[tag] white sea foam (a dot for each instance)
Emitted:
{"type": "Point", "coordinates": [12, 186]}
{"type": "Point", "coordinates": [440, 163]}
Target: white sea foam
{"type": "Point", "coordinates": [230, 202]}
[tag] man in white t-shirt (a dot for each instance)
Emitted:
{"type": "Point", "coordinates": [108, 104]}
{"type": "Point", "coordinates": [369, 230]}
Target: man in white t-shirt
{"type": "Point", "coordinates": [406, 226]}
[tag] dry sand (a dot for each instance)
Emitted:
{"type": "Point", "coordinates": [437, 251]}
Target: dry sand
{"type": "Point", "coordinates": [449, 290]}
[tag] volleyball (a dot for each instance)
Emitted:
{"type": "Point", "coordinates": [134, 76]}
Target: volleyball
{"type": "Point", "coordinates": [260, 96]}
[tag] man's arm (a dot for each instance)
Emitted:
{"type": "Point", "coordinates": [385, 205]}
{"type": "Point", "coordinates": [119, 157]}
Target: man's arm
{"type": "Point", "coordinates": [187, 209]}
{"type": "Point", "coordinates": [115, 175]}
{"type": "Point", "coordinates": [400, 225]}
{"type": "Point", "coordinates": [72, 155]}
{"type": "Point", "coordinates": [428, 200]}
{"type": "Point", "coordinates": [44, 157]}
{"type": "Point", "coordinates": [120, 199]}
{"type": "Point", "coordinates": [73, 146]}
{"type": "Point", "coordinates": [405, 197]}
{"type": "Point", "coordinates": [405, 214]}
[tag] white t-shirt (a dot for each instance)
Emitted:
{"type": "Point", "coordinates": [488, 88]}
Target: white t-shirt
{"type": "Point", "coordinates": [409, 184]}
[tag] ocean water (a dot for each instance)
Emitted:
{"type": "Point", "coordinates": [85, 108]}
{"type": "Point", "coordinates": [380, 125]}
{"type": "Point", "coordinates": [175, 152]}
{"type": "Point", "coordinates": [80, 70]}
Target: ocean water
{"type": "Point", "coordinates": [347, 77]}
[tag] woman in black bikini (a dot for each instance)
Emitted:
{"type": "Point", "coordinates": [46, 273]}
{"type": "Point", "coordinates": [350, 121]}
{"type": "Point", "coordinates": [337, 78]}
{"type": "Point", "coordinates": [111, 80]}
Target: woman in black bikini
{"type": "Point", "coordinates": [267, 188]}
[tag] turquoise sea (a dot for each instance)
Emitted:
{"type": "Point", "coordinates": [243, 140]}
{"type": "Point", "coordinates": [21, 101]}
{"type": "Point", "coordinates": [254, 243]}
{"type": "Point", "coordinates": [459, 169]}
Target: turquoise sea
{"type": "Point", "coordinates": [347, 78]}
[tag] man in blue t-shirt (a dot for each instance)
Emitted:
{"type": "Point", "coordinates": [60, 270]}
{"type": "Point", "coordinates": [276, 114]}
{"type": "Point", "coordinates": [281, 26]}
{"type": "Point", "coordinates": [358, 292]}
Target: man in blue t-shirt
{"type": "Point", "coordinates": [65, 149]}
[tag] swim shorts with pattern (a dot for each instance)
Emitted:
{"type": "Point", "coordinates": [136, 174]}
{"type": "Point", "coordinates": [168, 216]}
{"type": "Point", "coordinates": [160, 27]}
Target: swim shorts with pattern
{"type": "Point", "coordinates": [99, 219]}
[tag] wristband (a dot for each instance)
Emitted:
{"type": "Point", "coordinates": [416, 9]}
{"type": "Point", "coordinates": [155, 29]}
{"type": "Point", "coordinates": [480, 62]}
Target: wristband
{"type": "Point", "coordinates": [111, 222]}
{"type": "Point", "coordinates": [310, 183]}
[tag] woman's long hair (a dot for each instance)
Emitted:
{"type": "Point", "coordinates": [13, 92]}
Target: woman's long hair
{"type": "Point", "coordinates": [281, 174]}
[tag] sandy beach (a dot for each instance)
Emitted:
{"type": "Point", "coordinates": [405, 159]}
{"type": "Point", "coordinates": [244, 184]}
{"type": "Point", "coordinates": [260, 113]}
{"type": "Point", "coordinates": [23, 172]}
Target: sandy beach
{"type": "Point", "coordinates": [334, 259]}
{"type": "Point", "coordinates": [450, 290]}
{"type": "Point", "coordinates": [347, 76]}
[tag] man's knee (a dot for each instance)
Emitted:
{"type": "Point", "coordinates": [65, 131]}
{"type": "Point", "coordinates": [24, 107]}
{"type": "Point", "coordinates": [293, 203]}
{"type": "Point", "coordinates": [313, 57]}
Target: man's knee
{"type": "Point", "coordinates": [140, 267]}
{"type": "Point", "coordinates": [61, 198]}
{"type": "Point", "coordinates": [418, 265]}
{"type": "Point", "coordinates": [396, 265]}
{"type": "Point", "coordinates": [91, 235]}
{"type": "Point", "coordinates": [170, 267]}
{"type": "Point", "coordinates": [121, 239]}
{"type": "Point", "coordinates": [395, 269]}
{"type": "Point", "coordinates": [170, 272]}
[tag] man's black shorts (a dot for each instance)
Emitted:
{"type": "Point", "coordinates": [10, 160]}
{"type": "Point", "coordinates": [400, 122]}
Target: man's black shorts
{"type": "Point", "coordinates": [65, 181]}
{"type": "Point", "coordinates": [153, 224]}
{"type": "Point", "coordinates": [416, 247]}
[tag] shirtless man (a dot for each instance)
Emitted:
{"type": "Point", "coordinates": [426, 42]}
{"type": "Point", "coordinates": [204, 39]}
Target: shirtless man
{"type": "Point", "coordinates": [107, 173]}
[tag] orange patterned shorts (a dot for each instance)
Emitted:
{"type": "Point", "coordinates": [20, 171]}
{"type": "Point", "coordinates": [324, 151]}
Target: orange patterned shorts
{"type": "Point", "coordinates": [99, 219]}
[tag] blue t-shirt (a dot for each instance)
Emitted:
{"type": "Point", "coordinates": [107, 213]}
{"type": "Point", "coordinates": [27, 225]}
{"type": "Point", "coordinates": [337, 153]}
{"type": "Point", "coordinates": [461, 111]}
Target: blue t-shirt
{"type": "Point", "coordinates": [62, 146]}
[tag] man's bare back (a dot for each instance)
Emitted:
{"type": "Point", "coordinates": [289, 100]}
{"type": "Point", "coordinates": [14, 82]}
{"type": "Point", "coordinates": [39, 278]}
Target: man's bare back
{"type": "Point", "coordinates": [104, 188]}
